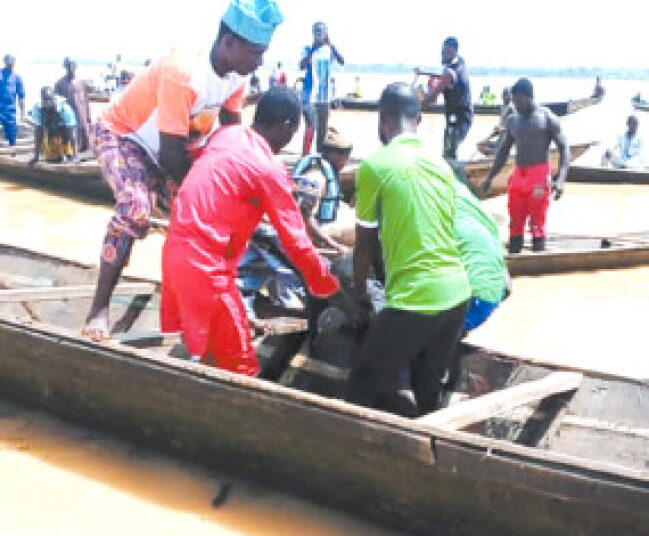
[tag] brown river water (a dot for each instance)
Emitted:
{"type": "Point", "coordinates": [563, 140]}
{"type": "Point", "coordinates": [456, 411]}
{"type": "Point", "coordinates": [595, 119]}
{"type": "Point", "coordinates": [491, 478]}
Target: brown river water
{"type": "Point", "coordinates": [59, 479]}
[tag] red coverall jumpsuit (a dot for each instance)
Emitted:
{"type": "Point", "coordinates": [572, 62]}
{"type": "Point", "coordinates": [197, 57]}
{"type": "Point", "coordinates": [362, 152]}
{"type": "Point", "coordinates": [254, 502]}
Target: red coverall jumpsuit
{"type": "Point", "coordinates": [529, 197]}
{"type": "Point", "coordinates": [234, 182]}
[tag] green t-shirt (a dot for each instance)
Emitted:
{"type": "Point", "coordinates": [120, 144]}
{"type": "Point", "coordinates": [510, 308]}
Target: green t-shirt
{"type": "Point", "coordinates": [410, 197]}
{"type": "Point", "coordinates": [480, 248]}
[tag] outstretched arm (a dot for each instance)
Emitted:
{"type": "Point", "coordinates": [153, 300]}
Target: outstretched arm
{"type": "Point", "coordinates": [499, 160]}
{"type": "Point", "coordinates": [336, 55]}
{"type": "Point", "coordinates": [285, 216]}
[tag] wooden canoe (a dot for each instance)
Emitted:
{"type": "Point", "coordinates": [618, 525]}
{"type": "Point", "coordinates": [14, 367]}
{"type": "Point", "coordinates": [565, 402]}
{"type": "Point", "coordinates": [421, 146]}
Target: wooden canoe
{"type": "Point", "coordinates": [582, 253]}
{"type": "Point", "coordinates": [84, 179]}
{"type": "Point", "coordinates": [534, 450]}
{"type": "Point", "coordinates": [559, 108]}
{"type": "Point", "coordinates": [477, 170]}
{"type": "Point", "coordinates": [607, 175]}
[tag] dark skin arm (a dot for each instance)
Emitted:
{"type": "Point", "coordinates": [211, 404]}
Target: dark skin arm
{"type": "Point", "coordinates": [365, 252]}
{"type": "Point", "coordinates": [227, 117]}
{"type": "Point", "coordinates": [499, 161]}
{"type": "Point", "coordinates": [174, 157]}
{"type": "Point", "coordinates": [337, 55]}
{"type": "Point", "coordinates": [564, 161]}
{"type": "Point", "coordinates": [38, 145]}
{"type": "Point", "coordinates": [446, 80]}
{"type": "Point", "coordinates": [72, 136]}
{"type": "Point", "coordinates": [318, 238]}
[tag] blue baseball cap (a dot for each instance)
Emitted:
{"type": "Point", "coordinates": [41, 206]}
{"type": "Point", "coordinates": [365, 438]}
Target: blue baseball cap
{"type": "Point", "coordinates": [254, 20]}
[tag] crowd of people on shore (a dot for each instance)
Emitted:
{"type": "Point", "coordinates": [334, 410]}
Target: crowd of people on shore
{"type": "Point", "coordinates": [174, 136]}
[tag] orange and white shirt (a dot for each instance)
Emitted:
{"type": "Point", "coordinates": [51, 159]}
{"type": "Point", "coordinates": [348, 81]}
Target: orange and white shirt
{"type": "Point", "coordinates": [180, 94]}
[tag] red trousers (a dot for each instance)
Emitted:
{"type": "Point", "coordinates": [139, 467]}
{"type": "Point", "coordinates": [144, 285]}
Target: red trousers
{"type": "Point", "coordinates": [529, 197]}
{"type": "Point", "coordinates": [207, 308]}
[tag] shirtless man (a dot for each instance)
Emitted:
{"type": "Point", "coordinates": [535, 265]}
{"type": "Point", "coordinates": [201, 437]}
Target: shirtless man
{"type": "Point", "coordinates": [532, 129]}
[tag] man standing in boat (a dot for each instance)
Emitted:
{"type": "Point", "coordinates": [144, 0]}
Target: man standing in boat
{"type": "Point", "coordinates": [454, 84]}
{"type": "Point", "coordinates": [76, 93]}
{"type": "Point", "coordinates": [407, 197]}
{"type": "Point", "coordinates": [234, 183]}
{"type": "Point", "coordinates": [316, 91]}
{"type": "Point", "coordinates": [11, 90]}
{"type": "Point", "coordinates": [532, 129]}
{"type": "Point", "coordinates": [142, 139]}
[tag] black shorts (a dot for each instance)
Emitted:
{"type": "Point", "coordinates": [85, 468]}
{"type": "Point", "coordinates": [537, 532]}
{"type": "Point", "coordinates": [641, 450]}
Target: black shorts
{"type": "Point", "coordinates": [399, 340]}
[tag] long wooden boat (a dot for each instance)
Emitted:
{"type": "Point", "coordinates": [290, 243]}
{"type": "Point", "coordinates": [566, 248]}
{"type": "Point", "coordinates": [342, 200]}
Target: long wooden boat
{"type": "Point", "coordinates": [81, 179]}
{"type": "Point", "coordinates": [566, 253]}
{"type": "Point", "coordinates": [477, 170]}
{"type": "Point", "coordinates": [559, 108]}
{"type": "Point", "coordinates": [528, 450]}
{"type": "Point", "coordinates": [641, 106]}
{"type": "Point", "coordinates": [84, 179]}
{"type": "Point", "coordinates": [607, 175]}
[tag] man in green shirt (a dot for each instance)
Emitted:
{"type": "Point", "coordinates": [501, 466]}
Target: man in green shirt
{"type": "Point", "coordinates": [408, 197]}
{"type": "Point", "coordinates": [481, 253]}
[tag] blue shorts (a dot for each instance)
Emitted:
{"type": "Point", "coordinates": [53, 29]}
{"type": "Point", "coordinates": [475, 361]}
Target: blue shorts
{"type": "Point", "coordinates": [479, 311]}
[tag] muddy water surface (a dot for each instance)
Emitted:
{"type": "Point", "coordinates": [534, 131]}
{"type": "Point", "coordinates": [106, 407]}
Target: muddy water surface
{"type": "Point", "coordinates": [61, 480]}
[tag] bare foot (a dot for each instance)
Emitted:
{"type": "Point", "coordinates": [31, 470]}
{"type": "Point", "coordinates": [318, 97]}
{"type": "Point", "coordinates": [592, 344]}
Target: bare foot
{"type": "Point", "coordinates": [96, 328]}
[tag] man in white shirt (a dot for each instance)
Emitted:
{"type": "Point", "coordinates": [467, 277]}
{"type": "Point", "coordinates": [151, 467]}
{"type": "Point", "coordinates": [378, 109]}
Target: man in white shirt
{"type": "Point", "coordinates": [316, 61]}
{"type": "Point", "coordinates": [628, 152]}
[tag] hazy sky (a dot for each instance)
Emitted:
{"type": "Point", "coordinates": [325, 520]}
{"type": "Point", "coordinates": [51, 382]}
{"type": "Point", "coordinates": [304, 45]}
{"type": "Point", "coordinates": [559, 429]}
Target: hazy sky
{"type": "Point", "coordinates": [555, 33]}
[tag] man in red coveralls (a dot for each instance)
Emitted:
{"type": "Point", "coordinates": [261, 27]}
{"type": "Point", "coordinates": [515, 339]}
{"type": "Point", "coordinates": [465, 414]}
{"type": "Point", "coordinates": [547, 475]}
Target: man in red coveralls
{"type": "Point", "coordinates": [233, 183]}
{"type": "Point", "coordinates": [532, 129]}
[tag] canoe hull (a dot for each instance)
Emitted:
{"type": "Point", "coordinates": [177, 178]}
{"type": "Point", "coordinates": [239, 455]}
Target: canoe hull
{"type": "Point", "coordinates": [559, 108]}
{"type": "Point", "coordinates": [83, 180]}
{"type": "Point", "coordinates": [607, 175]}
{"type": "Point", "coordinates": [414, 481]}
{"type": "Point", "coordinates": [477, 170]}
{"type": "Point", "coordinates": [416, 478]}
{"type": "Point", "coordinates": [554, 262]}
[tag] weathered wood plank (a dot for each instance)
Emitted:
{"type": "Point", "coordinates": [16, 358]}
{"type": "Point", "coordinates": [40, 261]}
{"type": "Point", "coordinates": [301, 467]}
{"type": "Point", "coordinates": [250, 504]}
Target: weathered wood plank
{"type": "Point", "coordinates": [71, 292]}
{"type": "Point", "coordinates": [604, 426]}
{"type": "Point", "coordinates": [478, 409]}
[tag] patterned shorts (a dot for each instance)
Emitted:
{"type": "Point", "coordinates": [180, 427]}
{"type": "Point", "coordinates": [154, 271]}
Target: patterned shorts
{"type": "Point", "coordinates": [134, 179]}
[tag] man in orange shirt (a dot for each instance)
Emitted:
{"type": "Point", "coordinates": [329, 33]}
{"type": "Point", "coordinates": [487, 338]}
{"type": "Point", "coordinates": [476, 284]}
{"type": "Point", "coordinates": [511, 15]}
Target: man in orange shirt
{"type": "Point", "coordinates": [142, 140]}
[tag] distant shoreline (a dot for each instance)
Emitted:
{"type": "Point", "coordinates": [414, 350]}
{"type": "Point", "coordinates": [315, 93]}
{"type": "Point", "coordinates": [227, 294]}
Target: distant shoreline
{"type": "Point", "coordinates": [378, 68]}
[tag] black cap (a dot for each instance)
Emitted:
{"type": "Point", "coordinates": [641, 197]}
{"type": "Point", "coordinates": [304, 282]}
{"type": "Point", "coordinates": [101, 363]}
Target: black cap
{"type": "Point", "coordinates": [451, 42]}
{"type": "Point", "coordinates": [523, 87]}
